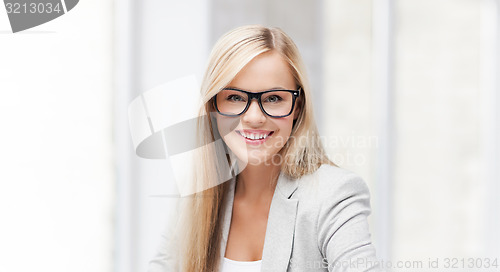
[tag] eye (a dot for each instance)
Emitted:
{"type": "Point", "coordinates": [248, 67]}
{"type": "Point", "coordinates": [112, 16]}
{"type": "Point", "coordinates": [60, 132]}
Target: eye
{"type": "Point", "coordinates": [235, 98]}
{"type": "Point", "coordinates": [273, 98]}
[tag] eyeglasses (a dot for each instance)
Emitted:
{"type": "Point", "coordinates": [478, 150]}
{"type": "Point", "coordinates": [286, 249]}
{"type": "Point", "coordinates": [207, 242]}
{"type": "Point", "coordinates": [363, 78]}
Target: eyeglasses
{"type": "Point", "coordinates": [274, 103]}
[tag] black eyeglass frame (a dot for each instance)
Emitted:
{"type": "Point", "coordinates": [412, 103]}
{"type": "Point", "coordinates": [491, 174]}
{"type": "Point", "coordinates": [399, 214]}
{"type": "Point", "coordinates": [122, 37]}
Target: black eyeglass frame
{"type": "Point", "coordinates": [295, 95]}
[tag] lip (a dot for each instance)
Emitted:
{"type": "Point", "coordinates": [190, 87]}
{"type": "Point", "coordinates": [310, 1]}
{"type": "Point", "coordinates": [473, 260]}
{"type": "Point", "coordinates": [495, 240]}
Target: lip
{"type": "Point", "coordinates": [255, 131]}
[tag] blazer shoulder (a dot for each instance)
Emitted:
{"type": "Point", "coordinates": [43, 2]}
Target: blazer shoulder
{"type": "Point", "coordinates": [331, 181]}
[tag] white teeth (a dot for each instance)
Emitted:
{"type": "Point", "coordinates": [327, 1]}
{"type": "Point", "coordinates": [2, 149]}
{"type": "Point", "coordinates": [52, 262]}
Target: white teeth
{"type": "Point", "coordinates": [254, 136]}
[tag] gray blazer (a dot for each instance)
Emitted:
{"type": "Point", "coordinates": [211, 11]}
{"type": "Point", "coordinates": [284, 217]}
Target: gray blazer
{"type": "Point", "coordinates": [315, 223]}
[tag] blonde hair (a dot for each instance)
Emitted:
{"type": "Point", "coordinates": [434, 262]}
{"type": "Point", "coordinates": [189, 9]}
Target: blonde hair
{"type": "Point", "coordinates": [202, 215]}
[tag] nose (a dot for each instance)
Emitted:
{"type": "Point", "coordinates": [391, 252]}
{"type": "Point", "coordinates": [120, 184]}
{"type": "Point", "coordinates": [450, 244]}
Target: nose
{"type": "Point", "coordinates": [253, 114]}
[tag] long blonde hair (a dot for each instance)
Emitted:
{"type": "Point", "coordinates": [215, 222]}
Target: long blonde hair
{"type": "Point", "coordinates": [202, 215]}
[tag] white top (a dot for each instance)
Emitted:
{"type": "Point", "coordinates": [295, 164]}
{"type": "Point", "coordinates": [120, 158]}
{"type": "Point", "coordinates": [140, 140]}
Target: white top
{"type": "Point", "coordinates": [237, 266]}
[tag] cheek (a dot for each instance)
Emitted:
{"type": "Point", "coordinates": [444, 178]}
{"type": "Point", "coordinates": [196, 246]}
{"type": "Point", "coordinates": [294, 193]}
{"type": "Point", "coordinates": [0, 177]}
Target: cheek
{"type": "Point", "coordinates": [285, 129]}
{"type": "Point", "coordinates": [285, 124]}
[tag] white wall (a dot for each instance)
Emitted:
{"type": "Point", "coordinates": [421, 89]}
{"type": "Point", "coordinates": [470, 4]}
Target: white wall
{"type": "Point", "coordinates": [56, 169]}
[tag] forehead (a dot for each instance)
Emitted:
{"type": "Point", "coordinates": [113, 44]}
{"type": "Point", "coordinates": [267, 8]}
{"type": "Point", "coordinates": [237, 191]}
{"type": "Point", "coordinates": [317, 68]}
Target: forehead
{"type": "Point", "coordinates": [266, 71]}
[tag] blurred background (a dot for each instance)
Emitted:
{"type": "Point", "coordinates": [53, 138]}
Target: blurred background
{"type": "Point", "coordinates": [406, 94]}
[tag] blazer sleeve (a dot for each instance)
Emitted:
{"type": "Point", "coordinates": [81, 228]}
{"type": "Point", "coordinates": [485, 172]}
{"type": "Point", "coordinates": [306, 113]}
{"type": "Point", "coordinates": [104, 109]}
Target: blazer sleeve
{"type": "Point", "coordinates": [343, 233]}
{"type": "Point", "coordinates": [166, 258]}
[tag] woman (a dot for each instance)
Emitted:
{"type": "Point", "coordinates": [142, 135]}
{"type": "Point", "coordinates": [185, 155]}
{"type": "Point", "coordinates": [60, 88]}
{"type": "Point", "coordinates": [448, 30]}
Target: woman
{"type": "Point", "coordinates": [287, 207]}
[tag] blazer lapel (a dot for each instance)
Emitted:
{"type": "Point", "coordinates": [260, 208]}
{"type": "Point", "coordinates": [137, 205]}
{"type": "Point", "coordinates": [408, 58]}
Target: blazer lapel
{"type": "Point", "coordinates": [280, 224]}
{"type": "Point", "coordinates": [280, 227]}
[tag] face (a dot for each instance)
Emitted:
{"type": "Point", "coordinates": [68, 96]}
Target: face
{"type": "Point", "coordinates": [267, 71]}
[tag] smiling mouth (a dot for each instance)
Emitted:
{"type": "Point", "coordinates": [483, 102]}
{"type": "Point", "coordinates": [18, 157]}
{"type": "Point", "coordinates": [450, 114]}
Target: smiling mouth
{"type": "Point", "coordinates": [255, 135]}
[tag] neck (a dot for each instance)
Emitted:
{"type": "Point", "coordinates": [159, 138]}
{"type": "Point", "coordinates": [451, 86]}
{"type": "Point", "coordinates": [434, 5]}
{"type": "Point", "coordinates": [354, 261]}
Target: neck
{"type": "Point", "coordinates": [256, 183]}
